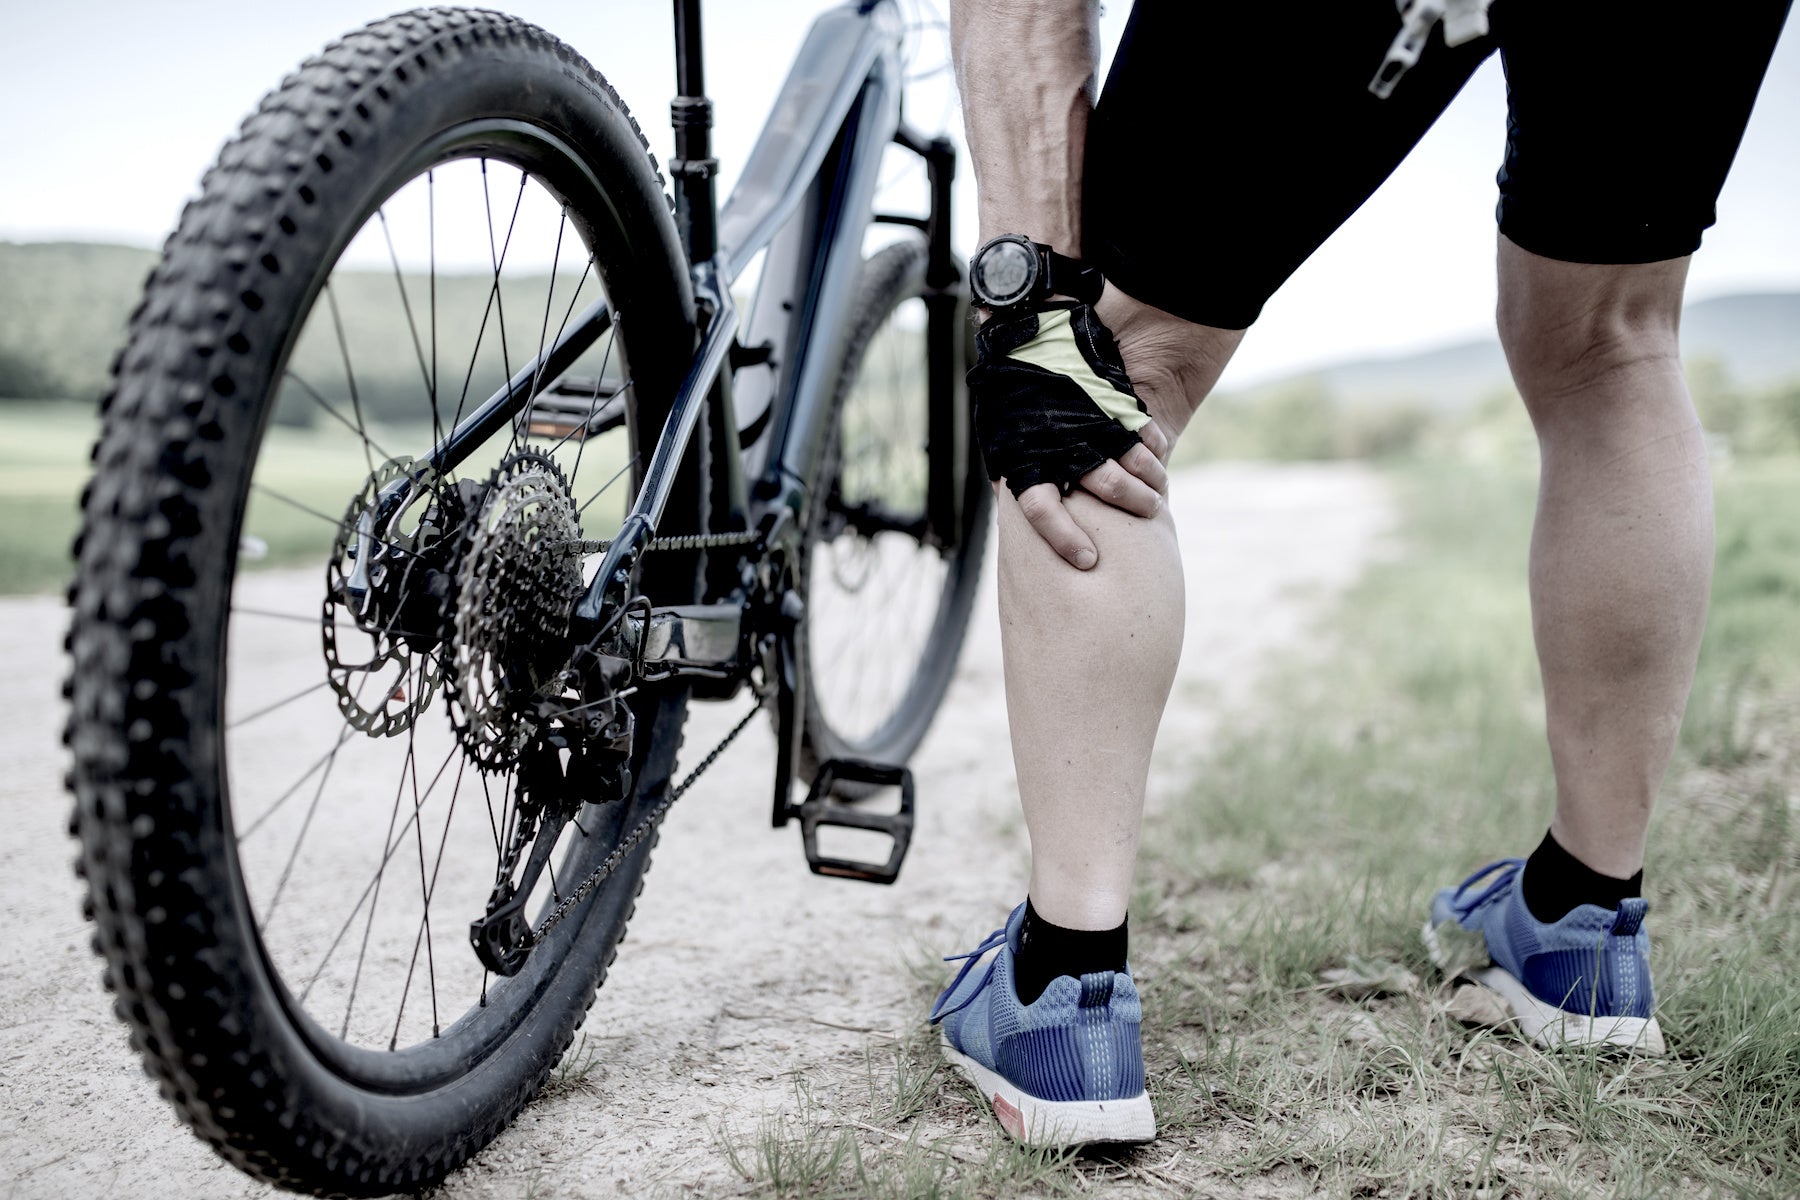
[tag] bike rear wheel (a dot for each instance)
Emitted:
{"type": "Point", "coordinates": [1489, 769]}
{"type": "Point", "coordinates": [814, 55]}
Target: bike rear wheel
{"type": "Point", "coordinates": [887, 603]}
{"type": "Point", "coordinates": [284, 834]}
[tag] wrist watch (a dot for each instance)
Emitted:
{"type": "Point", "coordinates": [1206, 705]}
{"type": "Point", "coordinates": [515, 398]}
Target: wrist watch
{"type": "Point", "coordinates": [1012, 271]}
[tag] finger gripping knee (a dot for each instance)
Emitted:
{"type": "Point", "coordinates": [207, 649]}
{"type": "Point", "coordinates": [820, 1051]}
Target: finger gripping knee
{"type": "Point", "coordinates": [1051, 398]}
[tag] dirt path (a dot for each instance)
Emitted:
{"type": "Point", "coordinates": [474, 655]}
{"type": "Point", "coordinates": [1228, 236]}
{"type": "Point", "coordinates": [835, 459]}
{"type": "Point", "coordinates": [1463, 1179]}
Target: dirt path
{"type": "Point", "coordinates": [740, 969]}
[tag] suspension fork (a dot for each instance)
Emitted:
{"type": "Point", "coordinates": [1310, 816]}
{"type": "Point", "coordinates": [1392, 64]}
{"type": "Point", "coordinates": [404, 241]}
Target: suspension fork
{"type": "Point", "coordinates": [947, 431]}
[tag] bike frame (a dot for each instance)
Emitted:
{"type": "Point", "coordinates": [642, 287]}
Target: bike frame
{"type": "Point", "coordinates": [806, 197]}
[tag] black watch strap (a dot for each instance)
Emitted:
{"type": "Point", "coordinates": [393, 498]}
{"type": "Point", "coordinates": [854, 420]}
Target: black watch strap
{"type": "Point", "coordinates": [1027, 274]}
{"type": "Point", "coordinates": [1065, 276]}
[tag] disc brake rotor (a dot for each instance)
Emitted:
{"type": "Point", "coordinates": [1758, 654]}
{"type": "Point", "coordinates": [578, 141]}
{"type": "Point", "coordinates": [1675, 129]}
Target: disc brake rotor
{"type": "Point", "coordinates": [392, 672]}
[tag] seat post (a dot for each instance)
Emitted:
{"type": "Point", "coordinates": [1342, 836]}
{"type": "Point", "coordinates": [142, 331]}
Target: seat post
{"type": "Point", "coordinates": [693, 167]}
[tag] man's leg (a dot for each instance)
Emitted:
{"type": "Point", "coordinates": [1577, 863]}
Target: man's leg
{"type": "Point", "coordinates": [1621, 556]}
{"type": "Point", "coordinates": [1090, 655]}
{"type": "Point", "coordinates": [1091, 609]}
{"type": "Point", "coordinates": [1090, 593]}
{"type": "Point", "coordinates": [1621, 562]}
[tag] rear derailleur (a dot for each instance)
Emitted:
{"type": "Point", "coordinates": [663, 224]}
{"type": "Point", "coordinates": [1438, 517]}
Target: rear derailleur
{"type": "Point", "coordinates": [582, 760]}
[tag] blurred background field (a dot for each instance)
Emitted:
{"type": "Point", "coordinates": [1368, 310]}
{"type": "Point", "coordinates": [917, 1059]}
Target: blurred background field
{"type": "Point", "coordinates": [64, 307]}
{"type": "Point", "coordinates": [63, 313]}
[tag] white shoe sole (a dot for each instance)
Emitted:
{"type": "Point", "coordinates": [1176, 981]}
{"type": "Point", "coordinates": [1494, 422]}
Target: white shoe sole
{"type": "Point", "coordinates": [1057, 1123]}
{"type": "Point", "coordinates": [1549, 1026]}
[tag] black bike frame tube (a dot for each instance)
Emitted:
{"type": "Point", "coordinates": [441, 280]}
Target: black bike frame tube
{"type": "Point", "coordinates": [947, 430]}
{"type": "Point", "coordinates": [696, 202]}
{"type": "Point", "coordinates": [841, 49]}
{"type": "Point", "coordinates": [844, 90]}
{"type": "Point", "coordinates": [671, 447]}
{"type": "Point", "coordinates": [504, 404]}
{"type": "Point", "coordinates": [865, 135]}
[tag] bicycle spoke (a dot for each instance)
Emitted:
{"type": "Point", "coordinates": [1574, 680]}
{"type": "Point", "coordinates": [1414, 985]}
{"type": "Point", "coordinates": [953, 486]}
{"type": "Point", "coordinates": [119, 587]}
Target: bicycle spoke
{"type": "Point", "coordinates": [537, 376]}
{"type": "Point", "coordinates": [424, 918]}
{"type": "Point", "coordinates": [392, 846]}
{"type": "Point", "coordinates": [616, 476]}
{"type": "Point", "coordinates": [346, 422]}
{"type": "Point", "coordinates": [299, 840]}
{"type": "Point", "coordinates": [294, 787]}
{"type": "Point", "coordinates": [498, 258]}
{"type": "Point", "coordinates": [308, 690]}
{"type": "Point", "coordinates": [305, 619]}
{"type": "Point", "coordinates": [563, 325]}
{"type": "Point", "coordinates": [406, 304]}
{"type": "Point", "coordinates": [437, 418]}
{"type": "Point", "coordinates": [312, 808]}
{"type": "Point", "coordinates": [408, 764]}
{"type": "Point", "coordinates": [492, 822]}
{"type": "Point", "coordinates": [605, 361]}
{"type": "Point", "coordinates": [334, 522]}
{"type": "Point", "coordinates": [337, 325]}
{"type": "Point", "coordinates": [436, 866]}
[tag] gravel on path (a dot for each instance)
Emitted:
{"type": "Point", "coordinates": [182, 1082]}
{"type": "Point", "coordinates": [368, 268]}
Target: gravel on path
{"type": "Point", "coordinates": [740, 972]}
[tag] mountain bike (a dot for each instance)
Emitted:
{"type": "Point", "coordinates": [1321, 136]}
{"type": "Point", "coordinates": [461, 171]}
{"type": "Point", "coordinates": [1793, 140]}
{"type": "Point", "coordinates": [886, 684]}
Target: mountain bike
{"type": "Point", "coordinates": [442, 471]}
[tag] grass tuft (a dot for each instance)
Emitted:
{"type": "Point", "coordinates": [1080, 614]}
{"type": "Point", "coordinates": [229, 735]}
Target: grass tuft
{"type": "Point", "coordinates": [1409, 756]}
{"type": "Point", "coordinates": [1401, 759]}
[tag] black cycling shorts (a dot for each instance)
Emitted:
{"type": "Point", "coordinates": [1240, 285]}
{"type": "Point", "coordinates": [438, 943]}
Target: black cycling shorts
{"type": "Point", "coordinates": [1233, 136]}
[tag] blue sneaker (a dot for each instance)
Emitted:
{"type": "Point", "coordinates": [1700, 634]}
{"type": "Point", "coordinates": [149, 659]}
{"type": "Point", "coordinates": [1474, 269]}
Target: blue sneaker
{"type": "Point", "coordinates": [1066, 1069]}
{"type": "Point", "coordinates": [1579, 981]}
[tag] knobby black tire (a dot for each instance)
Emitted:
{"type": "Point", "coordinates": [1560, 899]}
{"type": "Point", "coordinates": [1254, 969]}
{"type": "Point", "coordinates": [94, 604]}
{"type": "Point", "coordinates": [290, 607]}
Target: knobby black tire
{"type": "Point", "coordinates": [181, 428]}
{"type": "Point", "coordinates": [890, 277]}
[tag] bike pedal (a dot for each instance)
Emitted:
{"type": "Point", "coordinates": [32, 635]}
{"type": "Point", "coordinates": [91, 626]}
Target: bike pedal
{"type": "Point", "coordinates": [820, 811]}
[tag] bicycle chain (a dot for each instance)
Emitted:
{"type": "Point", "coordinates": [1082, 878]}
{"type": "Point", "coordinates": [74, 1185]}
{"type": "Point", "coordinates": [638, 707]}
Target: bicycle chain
{"type": "Point", "coordinates": [639, 832]}
{"type": "Point", "coordinates": [685, 541]}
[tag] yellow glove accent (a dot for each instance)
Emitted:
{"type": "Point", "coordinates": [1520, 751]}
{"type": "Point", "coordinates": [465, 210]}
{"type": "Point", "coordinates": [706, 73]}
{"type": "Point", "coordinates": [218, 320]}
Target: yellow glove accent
{"type": "Point", "coordinates": [1054, 349]}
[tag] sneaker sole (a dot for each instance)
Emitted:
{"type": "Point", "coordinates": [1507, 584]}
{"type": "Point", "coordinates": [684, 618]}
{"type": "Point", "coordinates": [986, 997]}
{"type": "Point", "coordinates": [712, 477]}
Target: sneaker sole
{"type": "Point", "coordinates": [1057, 1123]}
{"type": "Point", "coordinates": [1551, 1027]}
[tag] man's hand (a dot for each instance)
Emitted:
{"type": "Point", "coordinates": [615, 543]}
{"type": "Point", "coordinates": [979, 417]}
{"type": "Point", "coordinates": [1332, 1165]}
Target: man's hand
{"type": "Point", "coordinates": [1135, 482]}
{"type": "Point", "coordinates": [1055, 409]}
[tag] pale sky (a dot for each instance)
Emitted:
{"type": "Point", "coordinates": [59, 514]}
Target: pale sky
{"type": "Point", "coordinates": [113, 110]}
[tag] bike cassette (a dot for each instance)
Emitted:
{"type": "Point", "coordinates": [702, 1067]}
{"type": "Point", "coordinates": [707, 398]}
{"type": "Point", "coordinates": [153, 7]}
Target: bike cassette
{"type": "Point", "coordinates": [517, 571]}
{"type": "Point", "coordinates": [821, 811]}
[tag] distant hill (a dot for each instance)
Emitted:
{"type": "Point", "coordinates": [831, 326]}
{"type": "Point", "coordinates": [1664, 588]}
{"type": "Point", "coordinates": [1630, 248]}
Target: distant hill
{"type": "Point", "coordinates": [63, 310]}
{"type": "Point", "coordinates": [1755, 337]}
{"type": "Point", "coordinates": [64, 307]}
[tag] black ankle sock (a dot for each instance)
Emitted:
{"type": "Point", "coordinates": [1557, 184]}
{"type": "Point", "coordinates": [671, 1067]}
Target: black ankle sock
{"type": "Point", "coordinates": [1047, 951]}
{"type": "Point", "coordinates": [1556, 882]}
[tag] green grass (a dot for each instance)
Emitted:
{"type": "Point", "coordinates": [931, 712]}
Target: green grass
{"type": "Point", "coordinates": [43, 464]}
{"type": "Point", "coordinates": [1403, 755]}
{"type": "Point", "coordinates": [1414, 752]}
{"type": "Point", "coordinates": [302, 475]}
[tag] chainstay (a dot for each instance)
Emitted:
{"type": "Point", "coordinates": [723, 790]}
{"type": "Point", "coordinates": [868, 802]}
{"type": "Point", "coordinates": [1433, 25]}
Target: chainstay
{"type": "Point", "coordinates": [639, 832]}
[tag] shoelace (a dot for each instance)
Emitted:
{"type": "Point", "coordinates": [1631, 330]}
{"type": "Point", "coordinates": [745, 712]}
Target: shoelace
{"type": "Point", "coordinates": [1508, 867]}
{"type": "Point", "coordinates": [968, 959]}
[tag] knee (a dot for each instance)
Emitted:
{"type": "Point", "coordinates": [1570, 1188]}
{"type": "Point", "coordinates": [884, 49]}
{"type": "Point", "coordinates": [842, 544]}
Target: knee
{"type": "Point", "coordinates": [1173, 363]}
{"type": "Point", "coordinates": [1572, 329]}
{"type": "Point", "coordinates": [1558, 352]}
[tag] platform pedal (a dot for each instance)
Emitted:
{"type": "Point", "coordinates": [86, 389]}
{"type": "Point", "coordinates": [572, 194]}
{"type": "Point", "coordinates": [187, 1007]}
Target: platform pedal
{"type": "Point", "coordinates": [820, 811]}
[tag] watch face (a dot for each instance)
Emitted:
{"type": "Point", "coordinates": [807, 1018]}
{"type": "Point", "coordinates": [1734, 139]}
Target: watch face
{"type": "Point", "coordinates": [1005, 271]}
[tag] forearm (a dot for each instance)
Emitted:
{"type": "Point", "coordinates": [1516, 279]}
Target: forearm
{"type": "Point", "coordinates": [1026, 70]}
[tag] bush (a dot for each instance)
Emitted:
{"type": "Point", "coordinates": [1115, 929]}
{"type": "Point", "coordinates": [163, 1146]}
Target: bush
{"type": "Point", "coordinates": [23, 379]}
